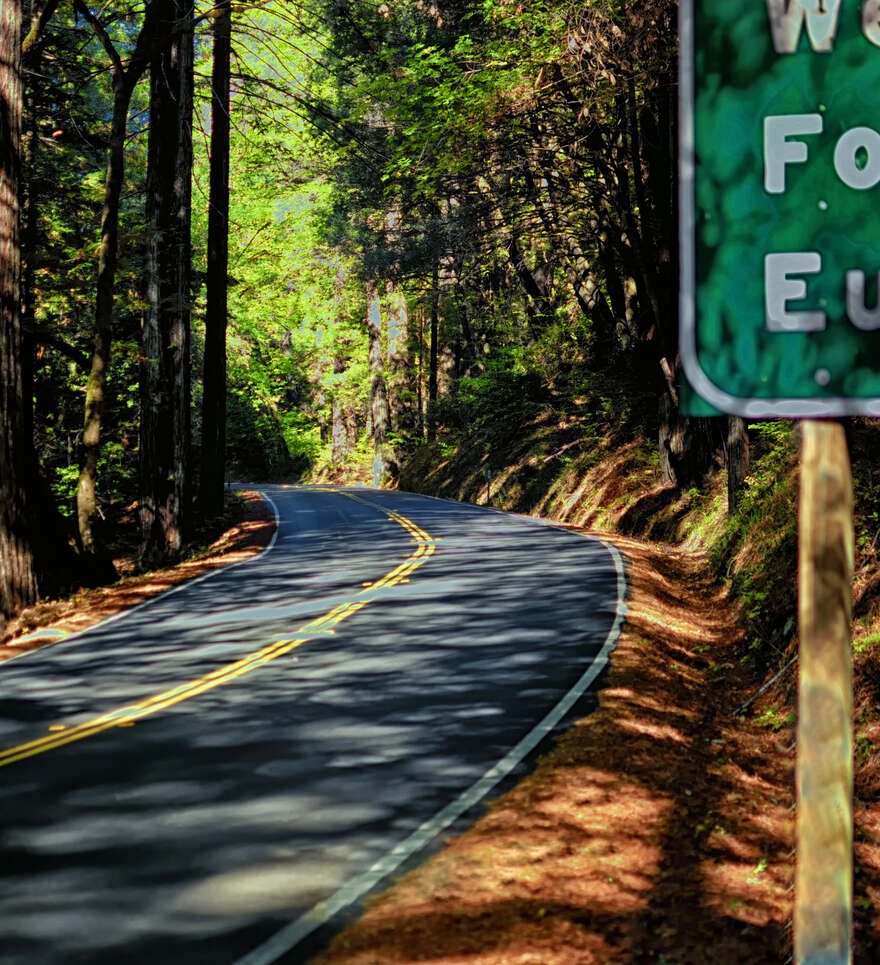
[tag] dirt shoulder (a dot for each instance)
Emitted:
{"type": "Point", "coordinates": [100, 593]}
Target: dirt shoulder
{"type": "Point", "coordinates": [657, 830]}
{"type": "Point", "coordinates": [53, 620]}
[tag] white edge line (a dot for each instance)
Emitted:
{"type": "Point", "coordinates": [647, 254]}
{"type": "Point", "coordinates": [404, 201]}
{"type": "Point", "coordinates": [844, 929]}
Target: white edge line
{"type": "Point", "coordinates": [292, 934]}
{"type": "Point", "coordinates": [159, 596]}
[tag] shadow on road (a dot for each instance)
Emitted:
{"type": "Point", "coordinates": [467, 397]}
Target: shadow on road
{"type": "Point", "coordinates": [203, 829]}
{"type": "Point", "coordinates": [655, 831]}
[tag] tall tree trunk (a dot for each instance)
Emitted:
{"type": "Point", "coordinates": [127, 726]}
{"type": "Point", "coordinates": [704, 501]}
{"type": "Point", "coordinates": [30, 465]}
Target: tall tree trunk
{"type": "Point", "coordinates": [32, 55]}
{"type": "Point", "coordinates": [470, 347]}
{"type": "Point", "coordinates": [420, 366]}
{"type": "Point", "coordinates": [400, 408]}
{"type": "Point", "coordinates": [214, 391]}
{"type": "Point", "coordinates": [432, 353]}
{"type": "Point", "coordinates": [124, 81]}
{"type": "Point", "coordinates": [339, 433]}
{"type": "Point", "coordinates": [165, 336]}
{"type": "Point", "coordinates": [18, 575]}
{"type": "Point", "coordinates": [34, 554]}
{"type": "Point", "coordinates": [181, 337]}
{"type": "Point", "coordinates": [379, 416]}
{"type": "Point", "coordinates": [737, 460]}
{"type": "Point", "coordinates": [537, 304]}
{"type": "Point", "coordinates": [29, 239]}
{"type": "Point", "coordinates": [318, 403]}
{"type": "Point", "coordinates": [86, 492]}
{"type": "Point", "coordinates": [687, 444]}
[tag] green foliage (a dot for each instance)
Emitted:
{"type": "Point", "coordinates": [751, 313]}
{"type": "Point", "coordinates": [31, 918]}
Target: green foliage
{"type": "Point", "coordinates": [472, 165]}
{"type": "Point", "coordinates": [864, 644]}
{"type": "Point", "coordinates": [69, 100]}
{"type": "Point", "coordinates": [758, 545]}
{"type": "Point", "coordinates": [499, 390]}
{"type": "Point", "coordinates": [773, 719]}
{"type": "Point", "coordinates": [769, 500]}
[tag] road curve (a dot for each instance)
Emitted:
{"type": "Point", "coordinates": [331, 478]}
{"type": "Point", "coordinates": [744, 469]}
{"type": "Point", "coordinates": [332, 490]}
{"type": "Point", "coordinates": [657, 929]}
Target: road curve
{"type": "Point", "coordinates": [222, 773]}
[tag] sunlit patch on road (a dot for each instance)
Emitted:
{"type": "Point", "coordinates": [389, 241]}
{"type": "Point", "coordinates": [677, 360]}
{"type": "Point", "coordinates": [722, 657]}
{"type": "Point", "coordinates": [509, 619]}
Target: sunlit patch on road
{"type": "Point", "coordinates": [283, 886]}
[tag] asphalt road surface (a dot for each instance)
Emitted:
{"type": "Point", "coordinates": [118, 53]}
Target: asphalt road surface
{"type": "Point", "coordinates": [221, 774]}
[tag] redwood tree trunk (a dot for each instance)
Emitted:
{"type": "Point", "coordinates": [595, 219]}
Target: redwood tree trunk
{"type": "Point", "coordinates": [35, 556]}
{"type": "Point", "coordinates": [31, 192]}
{"type": "Point", "coordinates": [687, 445]}
{"type": "Point", "coordinates": [420, 359]}
{"type": "Point", "coordinates": [401, 414]}
{"type": "Point", "coordinates": [737, 460]}
{"type": "Point", "coordinates": [432, 352]}
{"type": "Point", "coordinates": [181, 337]}
{"type": "Point", "coordinates": [34, 96]}
{"type": "Point", "coordinates": [165, 334]}
{"type": "Point", "coordinates": [18, 577]}
{"type": "Point", "coordinates": [379, 415]}
{"type": "Point", "coordinates": [339, 447]}
{"type": "Point", "coordinates": [214, 391]}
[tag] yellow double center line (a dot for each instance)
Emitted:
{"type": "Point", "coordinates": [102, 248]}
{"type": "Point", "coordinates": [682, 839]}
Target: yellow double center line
{"type": "Point", "coordinates": [128, 714]}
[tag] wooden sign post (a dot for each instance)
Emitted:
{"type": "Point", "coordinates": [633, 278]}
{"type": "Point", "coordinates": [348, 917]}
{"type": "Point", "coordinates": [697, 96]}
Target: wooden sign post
{"type": "Point", "coordinates": [823, 888]}
{"type": "Point", "coordinates": [779, 160]}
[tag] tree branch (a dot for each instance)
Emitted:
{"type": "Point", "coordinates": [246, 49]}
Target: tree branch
{"type": "Point", "coordinates": [43, 336]}
{"type": "Point", "coordinates": [39, 19]}
{"type": "Point", "coordinates": [102, 35]}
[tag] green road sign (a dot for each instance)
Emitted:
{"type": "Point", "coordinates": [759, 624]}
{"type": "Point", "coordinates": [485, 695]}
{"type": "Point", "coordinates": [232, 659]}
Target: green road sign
{"type": "Point", "coordinates": [780, 205]}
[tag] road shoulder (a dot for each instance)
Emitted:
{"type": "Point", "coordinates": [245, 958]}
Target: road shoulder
{"type": "Point", "coordinates": [54, 620]}
{"type": "Point", "coordinates": [660, 825]}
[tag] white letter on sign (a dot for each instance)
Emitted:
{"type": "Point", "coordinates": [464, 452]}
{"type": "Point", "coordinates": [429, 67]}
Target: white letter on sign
{"type": "Point", "coordinates": [787, 21]}
{"type": "Point", "coordinates": [858, 139]}
{"type": "Point", "coordinates": [779, 289]}
{"type": "Point", "coordinates": [863, 318]}
{"type": "Point", "coordinates": [778, 151]}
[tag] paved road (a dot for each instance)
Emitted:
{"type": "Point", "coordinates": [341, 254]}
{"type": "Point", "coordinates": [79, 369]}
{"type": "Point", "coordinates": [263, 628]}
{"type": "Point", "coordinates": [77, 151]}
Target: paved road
{"type": "Point", "coordinates": [216, 774]}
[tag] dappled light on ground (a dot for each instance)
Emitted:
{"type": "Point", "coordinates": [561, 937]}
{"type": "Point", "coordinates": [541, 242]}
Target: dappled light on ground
{"type": "Point", "coordinates": [654, 831]}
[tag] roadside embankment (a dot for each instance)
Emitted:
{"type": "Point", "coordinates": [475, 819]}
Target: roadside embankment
{"type": "Point", "coordinates": [657, 828]}
{"type": "Point", "coordinates": [661, 826]}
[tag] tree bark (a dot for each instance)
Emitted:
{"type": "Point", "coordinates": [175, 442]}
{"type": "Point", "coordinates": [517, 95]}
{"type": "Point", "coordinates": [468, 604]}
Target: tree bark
{"type": "Point", "coordinates": [165, 336]}
{"type": "Point", "coordinates": [420, 366]}
{"type": "Point", "coordinates": [737, 460]}
{"type": "Point", "coordinates": [32, 51]}
{"type": "Point", "coordinates": [214, 373]}
{"type": "Point", "coordinates": [29, 232]}
{"type": "Point", "coordinates": [432, 355]}
{"type": "Point", "coordinates": [379, 415]}
{"type": "Point", "coordinates": [181, 336]}
{"type": "Point", "coordinates": [41, 14]}
{"type": "Point", "coordinates": [35, 556]}
{"type": "Point", "coordinates": [686, 444]}
{"type": "Point", "coordinates": [340, 420]}
{"type": "Point", "coordinates": [124, 81]}
{"type": "Point", "coordinates": [401, 416]}
{"type": "Point", "coordinates": [538, 306]}
{"type": "Point", "coordinates": [18, 576]}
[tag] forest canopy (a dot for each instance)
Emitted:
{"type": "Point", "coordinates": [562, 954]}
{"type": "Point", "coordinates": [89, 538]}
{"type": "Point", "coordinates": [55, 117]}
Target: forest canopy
{"type": "Point", "coordinates": [308, 239]}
